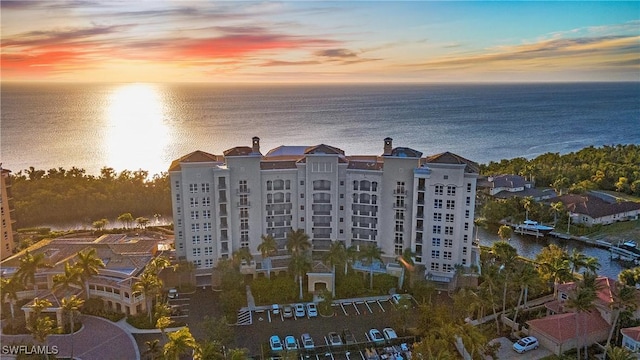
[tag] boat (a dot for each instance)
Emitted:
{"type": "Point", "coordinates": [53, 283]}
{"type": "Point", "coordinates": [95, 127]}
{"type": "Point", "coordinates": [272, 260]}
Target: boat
{"type": "Point", "coordinates": [530, 227]}
{"type": "Point", "coordinates": [626, 251]}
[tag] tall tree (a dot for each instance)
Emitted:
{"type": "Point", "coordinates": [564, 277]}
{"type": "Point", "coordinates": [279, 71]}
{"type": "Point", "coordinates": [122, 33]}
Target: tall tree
{"type": "Point", "coordinates": [126, 219]}
{"type": "Point", "coordinates": [154, 349]}
{"type": "Point", "coordinates": [527, 277]}
{"type": "Point", "coordinates": [369, 254]}
{"type": "Point", "coordinates": [68, 279]}
{"type": "Point", "coordinates": [71, 306]}
{"type": "Point", "coordinates": [89, 263]}
{"type": "Point", "coordinates": [506, 255]}
{"type": "Point", "coordinates": [581, 301]}
{"type": "Point", "coordinates": [148, 285]}
{"type": "Point", "coordinates": [557, 208]}
{"type": "Point", "coordinates": [157, 264]}
{"type": "Point", "coordinates": [577, 260]}
{"type": "Point", "coordinates": [179, 343]}
{"type": "Point", "coordinates": [268, 247]}
{"type": "Point", "coordinates": [337, 255]}
{"type": "Point", "coordinates": [299, 266]}
{"type": "Point", "coordinates": [9, 288]}
{"type": "Point", "coordinates": [298, 242]}
{"type": "Point", "coordinates": [505, 232]}
{"type": "Point", "coordinates": [29, 265]}
{"type": "Point", "coordinates": [623, 299]}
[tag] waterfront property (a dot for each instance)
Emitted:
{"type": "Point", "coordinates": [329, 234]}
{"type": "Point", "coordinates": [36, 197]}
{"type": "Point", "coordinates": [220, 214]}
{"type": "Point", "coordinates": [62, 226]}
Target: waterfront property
{"type": "Point", "coordinates": [597, 208]}
{"type": "Point", "coordinates": [509, 185]}
{"type": "Point", "coordinates": [125, 257]}
{"type": "Point", "coordinates": [397, 200]}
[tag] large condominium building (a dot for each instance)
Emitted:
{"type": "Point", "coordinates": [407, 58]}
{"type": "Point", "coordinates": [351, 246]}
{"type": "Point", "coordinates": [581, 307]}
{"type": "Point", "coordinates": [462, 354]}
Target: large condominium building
{"type": "Point", "coordinates": [398, 200]}
{"type": "Point", "coordinates": [7, 243]}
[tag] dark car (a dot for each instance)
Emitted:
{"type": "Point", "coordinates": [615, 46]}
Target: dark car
{"type": "Point", "coordinates": [347, 337]}
{"type": "Point", "coordinates": [334, 339]}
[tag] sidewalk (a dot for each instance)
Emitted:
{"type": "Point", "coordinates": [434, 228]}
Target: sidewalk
{"type": "Point", "coordinates": [124, 325]}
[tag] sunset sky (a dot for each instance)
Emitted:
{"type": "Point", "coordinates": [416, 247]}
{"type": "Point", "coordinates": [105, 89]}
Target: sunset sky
{"type": "Point", "coordinates": [308, 41]}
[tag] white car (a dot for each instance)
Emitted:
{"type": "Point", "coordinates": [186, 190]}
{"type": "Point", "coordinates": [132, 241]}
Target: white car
{"type": "Point", "coordinates": [389, 333]}
{"type": "Point", "coordinates": [173, 293]}
{"type": "Point", "coordinates": [275, 309]}
{"type": "Point", "coordinates": [396, 298]}
{"type": "Point", "coordinates": [526, 344]}
{"type": "Point", "coordinates": [307, 341]}
{"type": "Point", "coordinates": [375, 336]}
{"type": "Point", "coordinates": [299, 310]}
{"type": "Point", "coordinates": [290, 343]}
{"type": "Point", "coordinates": [275, 343]}
{"type": "Point", "coordinates": [312, 310]}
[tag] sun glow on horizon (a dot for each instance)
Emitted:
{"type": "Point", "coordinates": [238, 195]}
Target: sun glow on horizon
{"type": "Point", "coordinates": [136, 126]}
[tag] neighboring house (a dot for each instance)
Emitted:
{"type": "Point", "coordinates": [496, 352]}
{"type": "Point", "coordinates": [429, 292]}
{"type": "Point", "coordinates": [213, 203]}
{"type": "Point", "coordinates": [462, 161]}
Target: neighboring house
{"type": "Point", "coordinates": [590, 209]}
{"type": "Point", "coordinates": [557, 331]}
{"type": "Point", "coordinates": [631, 338]}
{"type": "Point", "coordinates": [508, 185]}
{"type": "Point", "coordinates": [124, 258]}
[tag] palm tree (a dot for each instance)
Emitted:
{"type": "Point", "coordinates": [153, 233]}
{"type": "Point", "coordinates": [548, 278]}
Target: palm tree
{"type": "Point", "coordinates": [581, 300]}
{"type": "Point", "coordinates": [126, 219]}
{"type": "Point", "coordinates": [507, 255]}
{"type": "Point", "coordinates": [623, 298]}
{"type": "Point", "coordinates": [29, 265]}
{"type": "Point", "coordinates": [527, 277]}
{"type": "Point", "coordinates": [527, 204]}
{"type": "Point", "coordinates": [163, 323]}
{"type": "Point", "coordinates": [89, 263]}
{"type": "Point", "coordinates": [337, 255]}
{"type": "Point", "coordinates": [158, 263]}
{"type": "Point", "coordinates": [153, 349]}
{"type": "Point", "coordinates": [299, 266]}
{"type": "Point", "coordinates": [9, 288]}
{"type": "Point", "coordinates": [504, 232]}
{"type": "Point", "coordinates": [591, 264]}
{"type": "Point", "coordinates": [619, 353]}
{"type": "Point", "coordinates": [179, 343]}
{"type": "Point", "coordinates": [370, 253]}
{"type": "Point", "coordinates": [557, 269]}
{"type": "Point", "coordinates": [490, 276]}
{"type": "Point", "coordinates": [148, 285]}
{"type": "Point", "coordinates": [408, 265]}
{"type": "Point", "coordinates": [577, 260]}
{"type": "Point", "coordinates": [71, 305]}
{"type": "Point", "coordinates": [68, 279]}
{"type": "Point", "coordinates": [238, 354]}
{"type": "Point", "coordinates": [240, 255]}
{"type": "Point", "coordinates": [556, 208]}
{"type": "Point", "coordinates": [267, 248]}
{"type": "Point", "coordinates": [297, 242]}
{"type": "Point", "coordinates": [40, 327]}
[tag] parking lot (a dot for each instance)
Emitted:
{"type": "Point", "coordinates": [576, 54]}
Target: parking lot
{"type": "Point", "coordinates": [357, 315]}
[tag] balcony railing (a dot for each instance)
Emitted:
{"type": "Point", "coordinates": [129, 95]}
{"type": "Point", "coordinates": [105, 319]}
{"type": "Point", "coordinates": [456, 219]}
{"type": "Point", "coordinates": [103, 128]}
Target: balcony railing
{"type": "Point", "coordinates": [244, 203]}
{"type": "Point", "coordinates": [400, 192]}
{"type": "Point", "coordinates": [243, 191]}
{"type": "Point", "coordinates": [399, 206]}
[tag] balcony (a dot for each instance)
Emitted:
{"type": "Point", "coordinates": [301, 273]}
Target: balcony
{"type": "Point", "coordinates": [244, 204]}
{"type": "Point", "coordinates": [322, 224]}
{"type": "Point", "coordinates": [400, 192]}
{"type": "Point", "coordinates": [243, 191]}
{"type": "Point", "coordinates": [397, 206]}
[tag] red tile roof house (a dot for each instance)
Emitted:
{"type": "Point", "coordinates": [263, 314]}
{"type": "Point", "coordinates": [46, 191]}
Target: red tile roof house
{"type": "Point", "coordinates": [631, 339]}
{"type": "Point", "coordinates": [590, 209]}
{"type": "Point", "coordinates": [557, 331]}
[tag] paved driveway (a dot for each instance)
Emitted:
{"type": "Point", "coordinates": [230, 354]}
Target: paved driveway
{"type": "Point", "coordinates": [506, 351]}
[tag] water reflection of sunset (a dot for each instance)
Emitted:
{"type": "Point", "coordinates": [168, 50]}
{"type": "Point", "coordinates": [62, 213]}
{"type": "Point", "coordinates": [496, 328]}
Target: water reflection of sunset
{"type": "Point", "coordinates": [136, 126]}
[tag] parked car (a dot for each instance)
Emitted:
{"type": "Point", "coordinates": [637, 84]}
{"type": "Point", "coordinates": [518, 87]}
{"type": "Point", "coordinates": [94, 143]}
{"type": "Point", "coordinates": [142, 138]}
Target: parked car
{"type": "Point", "coordinates": [376, 337]}
{"type": "Point", "coordinates": [347, 337]}
{"type": "Point", "coordinates": [334, 339]}
{"type": "Point", "coordinates": [176, 310]}
{"type": "Point", "coordinates": [312, 310]}
{"type": "Point", "coordinates": [307, 341]}
{"type": "Point", "coordinates": [287, 312]}
{"type": "Point", "coordinates": [275, 309]}
{"type": "Point", "coordinates": [526, 344]}
{"type": "Point", "coordinates": [299, 308]}
{"type": "Point", "coordinates": [401, 299]}
{"type": "Point", "coordinates": [290, 343]}
{"type": "Point", "coordinates": [275, 343]}
{"type": "Point", "coordinates": [389, 333]}
{"type": "Point", "coordinates": [173, 293]}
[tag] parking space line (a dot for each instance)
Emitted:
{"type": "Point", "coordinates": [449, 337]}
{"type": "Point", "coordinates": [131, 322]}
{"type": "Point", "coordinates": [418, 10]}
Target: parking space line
{"type": "Point", "coordinates": [368, 307]}
{"type": "Point", "coordinates": [355, 307]}
{"type": "Point", "coordinates": [381, 307]}
{"type": "Point", "coordinates": [343, 310]}
{"type": "Point", "coordinates": [269, 316]}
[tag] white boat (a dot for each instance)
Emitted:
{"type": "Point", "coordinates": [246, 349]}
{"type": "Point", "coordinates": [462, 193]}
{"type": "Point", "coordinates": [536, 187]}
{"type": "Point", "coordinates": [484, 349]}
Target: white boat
{"type": "Point", "coordinates": [626, 251]}
{"type": "Point", "coordinates": [530, 227]}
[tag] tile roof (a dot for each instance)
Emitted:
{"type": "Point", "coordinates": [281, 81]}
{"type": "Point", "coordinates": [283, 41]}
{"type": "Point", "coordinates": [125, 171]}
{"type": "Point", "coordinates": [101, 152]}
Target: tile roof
{"type": "Point", "coordinates": [194, 157]}
{"type": "Point", "coordinates": [405, 152]}
{"type": "Point", "coordinates": [324, 149]}
{"type": "Point", "coordinates": [451, 158]}
{"type": "Point", "coordinates": [606, 288]}
{"type": "Point", "coordinates": [632, 332]}
{"type": "Point", "coordinates": [239, 151]}
{"type": "Point", "coordinates": [595, 207]}
{"type": "Point", "coordinates": [562, 327]}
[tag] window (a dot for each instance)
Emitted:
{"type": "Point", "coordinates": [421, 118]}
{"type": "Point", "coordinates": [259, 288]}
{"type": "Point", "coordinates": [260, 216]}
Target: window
{"type": "Point", "coordinates": [397, 250]}
{"type": "Point", "coordinates": [301, 207]}
{"type": "Point", "coordinates": [197, 263]}
{"type": "Point", "coordinates": [207, 239]}
{"type": "Point", "coordinates": [448, 230]}
{"type": "Point", "coordinates": [242, 186]}
{"type": "Point", "coordinates": [449, 218]}
{"type": "Point", "coordinates": [437, 229]}
{"type": "Point", "coordinates": [204, 187]}
{"type": "Point", "coordinates": [177, 185]}
{"type": "Point", "coordinates": [465, 238]}
{"type": "Point", "coordinates": [466, 214]}
{"type": "Point", "coordinates": [437, 216]}
{"type": "Point", "coordinates": [206, 214]}
{"type": "Point", "coordinates": [445, 177]}
{"type": "Point", "coordinates": [195, 215]}
{"type": "Point", "coordinates": [269, 185]}
{"type": "Point", "coordinates": [341, 219]}
{"type": "Point", "coordinates": [193, 202]}
{"type": "Point", "coordinates": [193, 188]}
{"type": "Point", "coordinates": [399, 226]}
{"type": "Point", "coordinates": [208, 251]}
{"type": "Point", "coordinates": [301, 182]}
{"type": "Point", "coordinates": [437, 204]}
{"type": "Point", "coordinates": [435, 242]}
{"type": "Point", "coordinates": [447, 255]}
{"type": "Point", "coordinates": [464, 250]}
{"type": "Point", "coordinates": [244, 224]}
{"type": "Point", "coordinates": [451, 204]}
{"type": "Point", "coordinates": [448, 243]}
{"type": "Point", "coordinates": [451, 190]}
{"type": "Point", "coordinates": [222, 183]}
{"type": "Point", "coordinates": [196, 251]}
{"type": "Point", "coordinates": [195, 227]}
{"type": "Point", "coordinates": [178, 197]}
{"type": "Point", "coordinates": [439, 189]}
{"type": "Point", "coordinates": [244, 213]}
{"type": "Point", "coordinates": [302, 219]}
{"type": "Point", "coordinates": [206, 226]}
{"type": "Point", "coordinates": [244, 200]}
{"type": "Point", "coordinates": [206, 201]}
{"type": "Point", "coordinates": [208, 263]}
{"type": "Point", "coordinates": [468, 202]}
{"type": "Point", "coordinates": [301, 195]}
{"type": "Point", "coordinates": [435, 266]}
{"type": "Point", "coordinates": [466, 226]}
{"type": "Point", "coordinates": [195, 239]}
{"type": "Point", "coordinates": [435, 254]}
{"type": "Point", "coordinates": [468, 187]}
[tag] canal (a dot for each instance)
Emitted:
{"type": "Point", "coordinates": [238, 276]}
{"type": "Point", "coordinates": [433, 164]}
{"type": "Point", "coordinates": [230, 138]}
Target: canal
{"type": "Point", "coordinates": [529, 247]}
